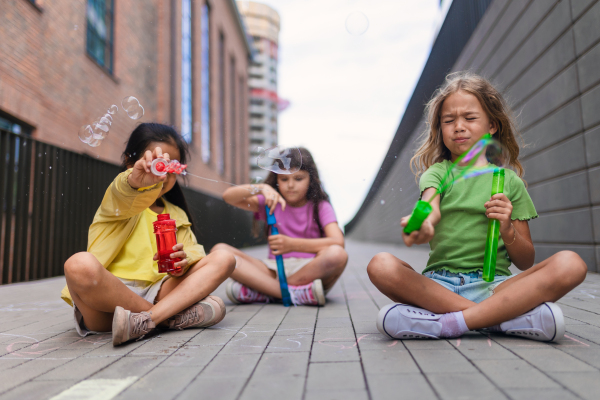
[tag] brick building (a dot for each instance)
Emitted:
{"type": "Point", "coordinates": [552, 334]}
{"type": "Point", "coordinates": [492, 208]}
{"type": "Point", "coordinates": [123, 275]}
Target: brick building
{"type": "Point", "coordinates": [64, 62]}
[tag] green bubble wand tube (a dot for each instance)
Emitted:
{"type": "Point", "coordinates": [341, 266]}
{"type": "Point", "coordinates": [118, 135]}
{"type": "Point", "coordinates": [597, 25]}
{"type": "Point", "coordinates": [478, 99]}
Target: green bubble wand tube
{"type": "Point", "coordinates": [423, 208]}
{"type": "Point", "coordinates": [493, 233]}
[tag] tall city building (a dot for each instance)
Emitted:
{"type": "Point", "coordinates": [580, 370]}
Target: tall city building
{"type": "Point", "coordinates": [262, 23]}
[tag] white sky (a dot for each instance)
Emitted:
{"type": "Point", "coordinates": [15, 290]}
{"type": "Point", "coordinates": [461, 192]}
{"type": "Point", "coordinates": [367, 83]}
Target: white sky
{"type": "Point", "coordinates": [347, 92]}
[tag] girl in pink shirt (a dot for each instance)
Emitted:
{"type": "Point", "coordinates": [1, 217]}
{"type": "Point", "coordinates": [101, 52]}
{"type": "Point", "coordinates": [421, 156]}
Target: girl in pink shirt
{"type": "Point", "coordinates": [310, 240]}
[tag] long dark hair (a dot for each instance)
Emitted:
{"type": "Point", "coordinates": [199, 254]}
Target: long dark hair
{"type": "Point", "coordinates": [138, 142]}
{"type": "Point", "coordinates": [315, 192]}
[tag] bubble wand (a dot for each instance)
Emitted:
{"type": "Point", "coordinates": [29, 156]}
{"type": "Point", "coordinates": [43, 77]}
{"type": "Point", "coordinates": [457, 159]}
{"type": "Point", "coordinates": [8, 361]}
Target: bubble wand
{"type": "Point", "coordinates": [493, 233]}
{"type": "Point", "coordinates": [285, 293]}
{"type": "Point", "coordinates": [423, 208]}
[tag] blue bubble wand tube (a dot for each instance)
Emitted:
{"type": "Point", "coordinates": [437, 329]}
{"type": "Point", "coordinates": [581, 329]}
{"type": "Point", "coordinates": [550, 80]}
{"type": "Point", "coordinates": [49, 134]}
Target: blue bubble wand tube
{"type": "Point", "coordinates": [285, 293]}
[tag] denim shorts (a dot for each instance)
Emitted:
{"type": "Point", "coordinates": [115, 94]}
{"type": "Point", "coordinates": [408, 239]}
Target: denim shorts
{"type": "Point", "coordinates": [471, 286]}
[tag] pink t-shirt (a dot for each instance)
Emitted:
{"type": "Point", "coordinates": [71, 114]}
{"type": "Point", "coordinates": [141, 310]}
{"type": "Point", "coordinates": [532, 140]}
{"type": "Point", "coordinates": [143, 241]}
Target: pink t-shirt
{"type": "Point", "coordinates": [297, 222]}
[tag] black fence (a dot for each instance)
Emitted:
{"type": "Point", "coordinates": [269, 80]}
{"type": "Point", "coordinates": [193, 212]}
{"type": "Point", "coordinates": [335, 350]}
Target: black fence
{"type": "Point", "coordinates": [50, 196]}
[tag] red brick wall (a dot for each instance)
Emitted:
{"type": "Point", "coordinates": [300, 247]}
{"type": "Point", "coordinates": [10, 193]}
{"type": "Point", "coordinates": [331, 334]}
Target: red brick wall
{"type": "Point", "coordinates": [48, 81]}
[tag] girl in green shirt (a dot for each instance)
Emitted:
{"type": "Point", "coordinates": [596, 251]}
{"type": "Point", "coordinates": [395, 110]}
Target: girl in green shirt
{"type": "Point", "coordinates": [451, 297]}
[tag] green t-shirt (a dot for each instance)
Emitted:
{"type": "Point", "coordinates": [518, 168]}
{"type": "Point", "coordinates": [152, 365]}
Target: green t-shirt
{"type": "Point", "coordinates": [459, 241]}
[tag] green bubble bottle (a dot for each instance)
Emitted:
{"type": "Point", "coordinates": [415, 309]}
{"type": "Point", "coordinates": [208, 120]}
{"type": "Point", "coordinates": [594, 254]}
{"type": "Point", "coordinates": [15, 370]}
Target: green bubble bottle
{"type": "Point", "coordinates": [493, 233]}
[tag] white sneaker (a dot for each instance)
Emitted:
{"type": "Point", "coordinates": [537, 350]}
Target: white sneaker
{"type": "Point", "coordinates": [544, 323]}
{"type": "Point", "coordinates": [400, 321]}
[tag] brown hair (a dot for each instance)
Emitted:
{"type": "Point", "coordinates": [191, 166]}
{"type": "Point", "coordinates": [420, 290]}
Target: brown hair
{"type": "Point", "coordinates": [432, 149]}
{"type": "Point", "coordinates": [315, 192]}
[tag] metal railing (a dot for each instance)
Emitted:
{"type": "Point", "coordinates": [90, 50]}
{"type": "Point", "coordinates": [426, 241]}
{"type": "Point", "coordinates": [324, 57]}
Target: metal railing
{"type": "Point", "coordinates": [50, 196]}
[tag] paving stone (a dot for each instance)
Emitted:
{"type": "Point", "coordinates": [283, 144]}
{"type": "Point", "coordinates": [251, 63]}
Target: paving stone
{"type": "Point", "coordinates": [160, 383]}
{"type": "Point", "coordinates": [129, 366]}
{"type": "Point", "coordinates": [335, 376]}
{"type": "Point", "coordinates": [26, 371]}
{"type": "Point", "coordinates": [37, 390]}
{"type": "Point", "coordinates": [274, 389]}
{"type": "Point", "coordinates": [436, 361]}
{"type": "Point", "coordinates": [231, 365]}
{"type": "Point", "coordinates": [212, 388]}
{"type": "Point", "coordinates": [334, 351]}
{"type": "Point", "coordinates": [404, 386]}
{"type": "Point", "coordinates": [341, 322]}
{"type": "Point", "coordinates": [285, 344]}
{"type": "Point", "coordinates": [336, 394]}
{"type": "Point", "coordinates": [241, 344]}
{"type": "Point", "coordinates": [192, 356]}
{"type": "Point", "coordinates": [282, 365]}
{"type": "Point", "coordinates": [78, 369]}
{"type": "Point", "coordinates": [334, 334]}
{"type": "Point", "coordinates": [552, 360]}
{"type": "Point", "coordinates": [480, 347]}
{"type": "Point", "coordinates": [464, 386]}
{"type": "Point", "coordinates": [584, 384]}
{"type": "Point", "coordinates": [388, 362]}
{"type": "Point", "coordinates": [546, 394]}
{"type": "Point", "coordinates": [514, 374]}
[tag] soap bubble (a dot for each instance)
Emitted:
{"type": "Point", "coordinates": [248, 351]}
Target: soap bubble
{"type": "Point", "coordinates": [132, 107]}
{"type": "Point", "coordinates": [357, 23]}
{"type": "Point", "coordinates": [85, 134]}
{"type": "Point", "coordinates": [117, 213]}
{"type": "Point", "coordinates": [278, 159]}
{"type": "Point", "coordinates": [113, 109]}
{"type": "Point", "coordinates": [489, 148]}
{"type": "Point", "coordinates": [382, 202]}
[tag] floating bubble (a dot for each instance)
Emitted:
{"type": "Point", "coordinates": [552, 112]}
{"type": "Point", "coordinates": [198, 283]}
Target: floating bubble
{"type": "Point", "coordinates": [161, 167]}
{"type": "Point", "coordinates": [278, 159]}
{"type": "Point", "coordinates": [85, 134]}
{"type": "Point", "coordinates": [382, 202]}
{"type": "Point", "coordinates": [117, 212]}
{"type": "Point", "coordinates": [357, 23]}
{"type": "Point", "coordinates": [113, 109]}
{"type": "Point", "coordinates": [132, 107]}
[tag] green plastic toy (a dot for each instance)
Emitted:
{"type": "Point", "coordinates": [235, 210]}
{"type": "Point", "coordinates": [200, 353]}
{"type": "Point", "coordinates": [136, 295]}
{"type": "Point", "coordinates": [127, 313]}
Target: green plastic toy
{"type": "Point", "coordinates": [493, 233]}
{"type": "Point", "coordinates": [423, 208]}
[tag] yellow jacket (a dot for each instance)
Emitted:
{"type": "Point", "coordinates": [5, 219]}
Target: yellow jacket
{"type": "Point", "coordinates": [118, 216]}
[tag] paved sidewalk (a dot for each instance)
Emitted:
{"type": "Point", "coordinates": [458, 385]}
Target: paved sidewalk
{"type": "Point", "coordinates": [273, 352]}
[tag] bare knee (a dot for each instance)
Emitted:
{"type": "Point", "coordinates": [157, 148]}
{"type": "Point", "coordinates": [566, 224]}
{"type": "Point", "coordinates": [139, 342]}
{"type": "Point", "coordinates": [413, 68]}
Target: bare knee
{"type": "Point", "coordinates": [84, 270]}
{"type": "Point", "coordinates": [221, 246]}
{"type": "Point", "coordinates": [224, 258]}
{"type": "Point", "coordinates": [336, 256]}
{"type": "Point", "coordinates": [571, 267]}
{"type": "Point", "coordinates": [380, 265]}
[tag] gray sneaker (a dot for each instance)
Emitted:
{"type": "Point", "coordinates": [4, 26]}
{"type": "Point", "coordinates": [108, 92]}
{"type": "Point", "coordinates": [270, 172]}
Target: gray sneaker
{"type": "Point", "coordinates": [207, 312]}
{"type": "Point", "coordinates": [127, 326]}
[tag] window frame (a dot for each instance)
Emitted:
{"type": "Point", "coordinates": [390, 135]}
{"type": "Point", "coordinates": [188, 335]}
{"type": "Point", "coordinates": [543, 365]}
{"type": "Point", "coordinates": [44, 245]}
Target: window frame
{"type": "Point", "coordinates": [108, 41]}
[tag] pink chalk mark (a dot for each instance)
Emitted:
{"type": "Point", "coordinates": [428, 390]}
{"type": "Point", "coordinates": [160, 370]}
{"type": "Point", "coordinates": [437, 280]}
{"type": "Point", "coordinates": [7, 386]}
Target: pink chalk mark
{"type": "Point", "coordinates": [489, 342]}
{"type": "Point", "coordinates": [458, 342]}
{"type": "Point", "coordinates": [393, 344]}
{"type": "Point", "coordinates": [578, 341]}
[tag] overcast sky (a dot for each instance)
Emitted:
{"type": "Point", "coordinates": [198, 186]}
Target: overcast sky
{"type": "Point", "coordinates": [348, 92]}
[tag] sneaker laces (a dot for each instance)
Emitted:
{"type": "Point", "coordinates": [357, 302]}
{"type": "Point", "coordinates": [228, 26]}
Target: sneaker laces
{"type": "Point", "coordinates": [302, 295]}
{"type": "Point", "coordinates": [142, 324]}
{"type": "Point", "coordinates": [187, 317]}
{"type": "Point", "coordinates": [247, 295]}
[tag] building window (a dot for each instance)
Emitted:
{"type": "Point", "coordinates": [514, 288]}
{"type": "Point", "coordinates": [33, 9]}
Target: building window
{"type": "Point", "coordinates": [7, 123]}
{"type": "Point", "coordinates": [232, 124]}
{"type": "Point", "coordinates": [221, 138]}
{"type": "Point", "coordinates": [205, 82]}
{"type": "Point", "coordinates": [186, 70]}
{"type": "Point", "coordinates": [99, 41]}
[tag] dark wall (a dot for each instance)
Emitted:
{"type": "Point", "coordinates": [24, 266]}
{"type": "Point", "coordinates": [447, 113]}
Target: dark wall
{"type": "Point", "coordinates": [50, 196]}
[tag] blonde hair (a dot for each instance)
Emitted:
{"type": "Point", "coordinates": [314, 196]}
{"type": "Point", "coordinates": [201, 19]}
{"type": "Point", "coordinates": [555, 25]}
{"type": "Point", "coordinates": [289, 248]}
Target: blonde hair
{"type": "Point", "coordinates": [432, 149]}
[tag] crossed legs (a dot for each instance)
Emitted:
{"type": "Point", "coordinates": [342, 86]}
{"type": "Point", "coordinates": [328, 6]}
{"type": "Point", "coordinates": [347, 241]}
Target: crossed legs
{"type": "Point", "coordinates": [549, 280]}
{"type": "Point", "coordinates": [97, 292]}
{"type": "Point", "coordinates": [327, 265]}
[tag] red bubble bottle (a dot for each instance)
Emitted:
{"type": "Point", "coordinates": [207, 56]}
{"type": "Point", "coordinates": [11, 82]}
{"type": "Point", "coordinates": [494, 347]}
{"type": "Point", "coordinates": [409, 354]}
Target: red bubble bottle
{"type": "Point", "coordinates": [166, 237]}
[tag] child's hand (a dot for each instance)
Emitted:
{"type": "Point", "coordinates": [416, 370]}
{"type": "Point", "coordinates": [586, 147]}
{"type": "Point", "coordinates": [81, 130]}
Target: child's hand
{"type": "Point", "coordinates": [423, 235]}
{"type": "Point", "coordinates": [141, 175]}
{"type": "Point", "coordinates": [280, 244]}
{"type": "Point", "coordinates": [272, 197]}
{"type": "Point", "coordinates": [177, 252]}
{"type": "Point", "coordinates": [500, 208]}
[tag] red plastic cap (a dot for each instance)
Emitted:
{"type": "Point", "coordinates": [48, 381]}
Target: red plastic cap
{"type": "Point", "coordinates": [162, 217]}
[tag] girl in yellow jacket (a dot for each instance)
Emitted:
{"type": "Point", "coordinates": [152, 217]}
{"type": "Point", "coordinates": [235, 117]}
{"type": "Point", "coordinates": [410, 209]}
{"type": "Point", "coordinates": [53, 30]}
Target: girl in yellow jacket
{"type": "Point", "coordinates": [115, 285]}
